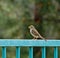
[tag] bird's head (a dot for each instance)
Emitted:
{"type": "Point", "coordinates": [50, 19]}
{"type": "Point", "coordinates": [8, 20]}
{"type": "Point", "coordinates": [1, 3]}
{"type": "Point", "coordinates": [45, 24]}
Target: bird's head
{"type": "Point", "coordinates": [31, 26]}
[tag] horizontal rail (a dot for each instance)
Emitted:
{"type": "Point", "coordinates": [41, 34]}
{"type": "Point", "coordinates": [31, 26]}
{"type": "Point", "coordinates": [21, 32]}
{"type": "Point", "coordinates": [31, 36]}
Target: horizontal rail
{"type": "Point", "coordinates": [25, 42]}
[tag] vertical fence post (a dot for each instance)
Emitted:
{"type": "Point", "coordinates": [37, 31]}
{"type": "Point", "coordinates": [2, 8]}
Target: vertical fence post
{"type": "Point", "coordinates": [17, 52]}
{"type": "Point", "coordinates": [3, 52]}
{"type": "Point", "coordinates": [55, 52]}
{"type": "Point", "coordinates": [43, 52]}
{"type": "Point", "coordinates": [30, 52]}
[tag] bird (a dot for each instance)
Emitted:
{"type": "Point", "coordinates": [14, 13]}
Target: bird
{"type": "Point", "coordinates": [35, 33]}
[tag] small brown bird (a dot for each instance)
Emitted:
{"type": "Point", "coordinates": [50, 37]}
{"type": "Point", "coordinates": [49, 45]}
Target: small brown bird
{"type": "Point", "coordinates": [35, 33]}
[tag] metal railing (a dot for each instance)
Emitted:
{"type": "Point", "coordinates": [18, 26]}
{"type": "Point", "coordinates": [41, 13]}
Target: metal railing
{"type": "Point", "coordinates": [29, 43]}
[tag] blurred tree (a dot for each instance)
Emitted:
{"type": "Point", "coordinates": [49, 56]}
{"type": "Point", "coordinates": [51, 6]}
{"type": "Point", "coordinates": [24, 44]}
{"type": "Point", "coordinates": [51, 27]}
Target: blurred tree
{"type": "Point", "coordinates": [47, 17]}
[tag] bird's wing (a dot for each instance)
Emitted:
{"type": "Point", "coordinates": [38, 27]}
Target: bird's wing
{"type": "Point", "coordinates": [35, 32]}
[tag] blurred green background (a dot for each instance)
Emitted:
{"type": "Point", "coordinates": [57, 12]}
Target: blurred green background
{"type": "Point", "coordinates": [17, 15]}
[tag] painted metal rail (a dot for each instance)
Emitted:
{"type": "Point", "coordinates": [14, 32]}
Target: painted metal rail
{"type": "Point", "coordinates": [29, 43]}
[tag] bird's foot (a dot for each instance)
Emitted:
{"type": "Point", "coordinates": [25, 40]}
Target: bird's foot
{"type": "Point", "coordinates": [34, 38]}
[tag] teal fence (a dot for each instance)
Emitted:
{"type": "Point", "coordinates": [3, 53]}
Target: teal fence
{"type": "Point", "coordinates": [29, 43]}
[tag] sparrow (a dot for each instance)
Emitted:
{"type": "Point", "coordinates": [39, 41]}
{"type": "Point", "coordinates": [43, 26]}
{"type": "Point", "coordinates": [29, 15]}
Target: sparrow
{"type": "Point", "coordinates": [35, 33]}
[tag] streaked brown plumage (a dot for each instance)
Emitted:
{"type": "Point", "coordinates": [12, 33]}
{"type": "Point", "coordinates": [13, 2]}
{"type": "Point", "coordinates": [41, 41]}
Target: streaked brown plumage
{"type": "Point", "coordinates": [34, 32]}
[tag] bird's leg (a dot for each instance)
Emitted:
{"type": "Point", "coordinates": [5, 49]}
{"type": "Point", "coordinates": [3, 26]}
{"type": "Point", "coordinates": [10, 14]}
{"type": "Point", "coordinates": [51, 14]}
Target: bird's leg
{"type": "Point", "coordinates": [34, 38]}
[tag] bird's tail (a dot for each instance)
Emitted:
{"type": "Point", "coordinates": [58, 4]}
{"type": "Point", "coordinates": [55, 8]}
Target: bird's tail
{"type": "Point", "coordinates": [42, 38]}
